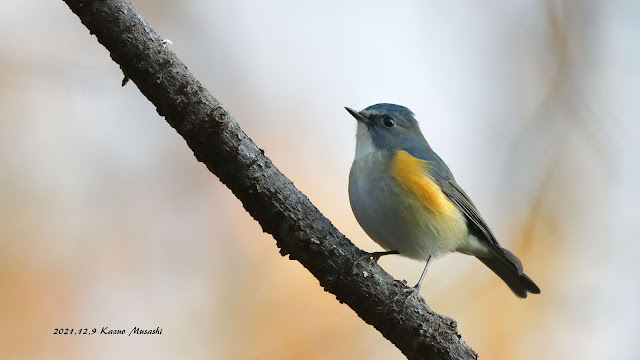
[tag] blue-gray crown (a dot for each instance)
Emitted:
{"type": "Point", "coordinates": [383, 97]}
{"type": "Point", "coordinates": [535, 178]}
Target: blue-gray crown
{"type": "Point", "coordinates": [389, 109]}
{"type": "Point", "coordinates": [395, 111]}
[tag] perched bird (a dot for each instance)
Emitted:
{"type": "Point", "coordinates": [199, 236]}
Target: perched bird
{"type": "Point", "coordinates": [406, 199]}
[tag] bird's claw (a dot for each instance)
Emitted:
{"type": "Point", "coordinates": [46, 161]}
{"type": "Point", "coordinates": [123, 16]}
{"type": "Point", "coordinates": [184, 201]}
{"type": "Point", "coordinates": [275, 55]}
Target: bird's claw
{"type": "Point", "coordinates": [353, 267]}
{"type": "Point", "coordinates": [166, 42]}
{"type": "Point", "coordinates": [375, 256]}
{"type": "Point", "coordinates": [407, 293]}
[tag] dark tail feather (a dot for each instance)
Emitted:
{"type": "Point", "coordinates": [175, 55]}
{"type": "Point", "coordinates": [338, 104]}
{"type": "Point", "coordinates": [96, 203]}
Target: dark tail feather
{"type": "Point", "coordinates": [509, 268]}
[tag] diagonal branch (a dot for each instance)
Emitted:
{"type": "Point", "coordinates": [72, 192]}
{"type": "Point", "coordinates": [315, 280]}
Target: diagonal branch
{"type": "Point", "coordinates": [300, 230]}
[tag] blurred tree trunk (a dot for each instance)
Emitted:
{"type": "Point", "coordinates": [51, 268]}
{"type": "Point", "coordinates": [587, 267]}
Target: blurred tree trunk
{"type": "Point", "coordinates": [300, 230]}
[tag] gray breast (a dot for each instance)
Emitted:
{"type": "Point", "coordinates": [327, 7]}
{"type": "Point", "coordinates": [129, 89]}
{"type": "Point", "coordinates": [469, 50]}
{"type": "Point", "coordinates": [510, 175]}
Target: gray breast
{"type": "Point", "coordinates": [392, 217]}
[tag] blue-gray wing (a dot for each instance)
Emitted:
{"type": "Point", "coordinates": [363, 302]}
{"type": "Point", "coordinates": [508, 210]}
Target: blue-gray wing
{"type": "Point", "coordinates": [501, 261]}
{"type": "Point", "coordinates": [455, 193]}
{"type": "Point", "coordinates": [481, 230]}
{"type": "Point", "coordinates": [440, 172]}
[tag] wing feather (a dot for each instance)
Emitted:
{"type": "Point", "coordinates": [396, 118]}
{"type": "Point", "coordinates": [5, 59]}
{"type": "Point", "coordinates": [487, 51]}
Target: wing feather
{"type": "Point", "coordinates": [441, 174]}
{"type": "Point", "coordinates": [455, 193]}
{"type": "Point", "coordinates": [477, 223]}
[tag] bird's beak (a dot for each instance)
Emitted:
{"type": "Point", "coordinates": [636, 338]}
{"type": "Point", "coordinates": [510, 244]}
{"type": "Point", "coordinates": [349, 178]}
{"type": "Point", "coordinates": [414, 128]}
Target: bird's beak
{"type": "Point", "coordinates": [357, 115]}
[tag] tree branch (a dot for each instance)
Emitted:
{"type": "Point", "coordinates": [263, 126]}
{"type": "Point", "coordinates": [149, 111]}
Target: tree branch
{"type": "Point", "coordinates": [300, 230]}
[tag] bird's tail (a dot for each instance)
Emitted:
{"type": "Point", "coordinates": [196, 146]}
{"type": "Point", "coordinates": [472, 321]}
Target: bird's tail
{"type": "Point", "coordinates": [509, 268]}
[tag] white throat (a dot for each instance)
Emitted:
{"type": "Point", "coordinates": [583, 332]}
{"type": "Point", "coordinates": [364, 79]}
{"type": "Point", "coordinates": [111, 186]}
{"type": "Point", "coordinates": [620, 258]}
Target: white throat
{"type": "Point", "coordinates": [364, 143]}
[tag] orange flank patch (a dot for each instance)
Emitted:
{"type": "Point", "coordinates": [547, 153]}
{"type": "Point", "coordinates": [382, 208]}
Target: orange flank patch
{"type": "Point", "coordinates": [412, 175]}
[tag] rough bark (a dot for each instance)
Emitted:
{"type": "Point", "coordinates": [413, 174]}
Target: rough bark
{"type": "Point", "coordinates": [300, 230]}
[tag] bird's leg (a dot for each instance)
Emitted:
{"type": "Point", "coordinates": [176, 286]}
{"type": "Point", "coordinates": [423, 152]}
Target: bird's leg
{"type": "Point", "coordinates": [416, 289]}
{"type": "Point", "coordinates": [424, 272]}
{"type": "Point", "coordinates": [375, 256]}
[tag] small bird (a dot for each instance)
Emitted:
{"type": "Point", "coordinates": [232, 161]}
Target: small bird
{"type": "Point", "coordinates": [406, 199]}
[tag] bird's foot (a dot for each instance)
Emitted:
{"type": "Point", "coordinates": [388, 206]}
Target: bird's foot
{"type": "Point", "coordinates": [166, 42]}
{"type": "Point", "coordinates": [375, 256]}
{"type": "Point", "coordinates": [407, 293]}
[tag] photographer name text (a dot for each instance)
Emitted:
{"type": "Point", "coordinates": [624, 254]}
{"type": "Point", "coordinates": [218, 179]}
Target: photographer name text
{"type": "Point", "coordinates": [105, 330]}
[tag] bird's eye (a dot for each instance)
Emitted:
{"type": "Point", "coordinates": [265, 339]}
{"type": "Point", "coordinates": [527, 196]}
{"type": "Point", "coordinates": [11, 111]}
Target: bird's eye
{"type": "Point", "coordinates": [388, 122]}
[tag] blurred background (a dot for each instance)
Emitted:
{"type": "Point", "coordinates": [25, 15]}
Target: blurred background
{"type": "Point", "coordinates": [107, 219]}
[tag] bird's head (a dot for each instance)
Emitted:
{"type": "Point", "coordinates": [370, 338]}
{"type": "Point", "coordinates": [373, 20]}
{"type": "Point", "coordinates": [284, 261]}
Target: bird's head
{"type": "Point", "coordinates": [386, 127]}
